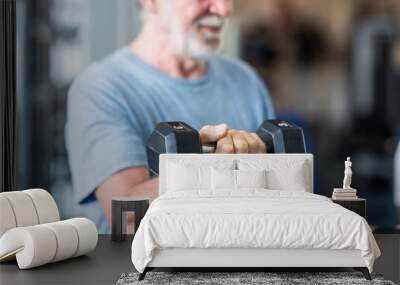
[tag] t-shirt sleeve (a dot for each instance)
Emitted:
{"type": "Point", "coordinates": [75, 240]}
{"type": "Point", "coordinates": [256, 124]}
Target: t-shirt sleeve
{"type": "Point", "coordinates": [101, 137]}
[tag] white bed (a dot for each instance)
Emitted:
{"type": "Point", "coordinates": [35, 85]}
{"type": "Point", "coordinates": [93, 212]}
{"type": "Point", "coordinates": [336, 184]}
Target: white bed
{"type": "Point", "coordinates": [284, 225]}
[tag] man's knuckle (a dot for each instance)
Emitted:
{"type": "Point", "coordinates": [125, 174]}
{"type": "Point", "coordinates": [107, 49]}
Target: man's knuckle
{"type": "Point", "coordinates": [227, 148]}
{"type": "Point", "coordinates": [252, 141]}
{"type": "Point", "coordinates": [232, 132]}
{"type": "Point", "coordinates": [241, 143]}
{"type": "Point", "coordinates": [262, 146]}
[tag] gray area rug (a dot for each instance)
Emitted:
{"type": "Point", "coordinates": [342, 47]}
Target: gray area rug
{"type": "Point", "coordinates": [225, 278]}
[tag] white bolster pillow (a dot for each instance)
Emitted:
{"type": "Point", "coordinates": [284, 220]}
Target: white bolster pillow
{"type": "Point", "coordinates": [40, 244]}
{"type": "Point", "coordinates": [23, 208]}
{"type": "Point", "coordinates": [87, 235]}
{"type": "Point", "coordinates": [45, 206]}
{"type": "Point", "coordinates": [26, 208]}
{"type": "Point", "coordinates": [7, 219]}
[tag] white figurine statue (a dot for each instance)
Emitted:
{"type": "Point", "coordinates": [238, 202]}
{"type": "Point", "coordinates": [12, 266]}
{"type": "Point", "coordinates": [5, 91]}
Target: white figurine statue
{"type": "Point", "coordinates": [347, 174]}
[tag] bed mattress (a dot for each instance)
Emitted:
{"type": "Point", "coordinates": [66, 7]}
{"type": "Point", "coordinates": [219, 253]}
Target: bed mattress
{"type": "Point", "coordinates": [250, 219]}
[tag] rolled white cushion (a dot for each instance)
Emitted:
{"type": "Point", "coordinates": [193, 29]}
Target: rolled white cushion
{"type": "Point", "coordinates": [33, 246]}
{"type": "Point", "coordinates": [26, 208]}
{"type": "Point", "coordinates": [46, 207]}
{"type": "Point", "coordinates": [251, 178]}
{"type": "Point", "coordinates": [87, 234]}
{"type": "Point", "coordinates": [67, 240]}
{"type": "Point", "coordinates": [23, 208]}
{"type": "Point", "coordinates": [37, 245]}
{"type": "Point", "coordinates": [7, 218]}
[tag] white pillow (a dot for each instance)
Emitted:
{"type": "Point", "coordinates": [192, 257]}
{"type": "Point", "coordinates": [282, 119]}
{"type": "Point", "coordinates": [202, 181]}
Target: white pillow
{"type": "Point", "coordinates": [182, 177]}
{"type": "Point", "coordinates": [190, 174]}
{"type": "Point", "coordinates": [292, 179]}
{"type": "Point", "coordinates": [223, 179]}
{"type": "Point", "coordinates": [226, 179]}
{"type": "Point", "coordinates": [200, 160]}
{"type": "Point", "coordinates": [251, 178]}
{"type": "Point", "coordinates": [282, 174]}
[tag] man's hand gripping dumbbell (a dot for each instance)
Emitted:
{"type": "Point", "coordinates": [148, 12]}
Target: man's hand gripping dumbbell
{"type": "Point", "coordinates": [274, 136]}
{"type": "Point", "coordinates": [221, 139]}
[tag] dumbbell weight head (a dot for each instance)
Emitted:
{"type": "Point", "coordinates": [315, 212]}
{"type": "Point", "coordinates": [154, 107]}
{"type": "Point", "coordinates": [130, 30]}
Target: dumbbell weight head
{"type": "Point", "coordinates": [171, 137]}
{"type": "Point", "coordinates": [282, 137]}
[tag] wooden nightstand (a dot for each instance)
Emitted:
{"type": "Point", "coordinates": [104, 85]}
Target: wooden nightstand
{"type": "Point", "coordinates": [358, 206]}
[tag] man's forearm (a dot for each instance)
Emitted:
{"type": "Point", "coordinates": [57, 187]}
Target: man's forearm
{"type": "Point", "coordinates": [147, 189]}
{"type": "Point", "coordinates": [105, 193]}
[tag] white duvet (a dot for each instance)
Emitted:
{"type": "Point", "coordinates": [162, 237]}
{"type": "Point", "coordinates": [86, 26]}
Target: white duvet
{"type": "Point", "coordinates": [250, 219]}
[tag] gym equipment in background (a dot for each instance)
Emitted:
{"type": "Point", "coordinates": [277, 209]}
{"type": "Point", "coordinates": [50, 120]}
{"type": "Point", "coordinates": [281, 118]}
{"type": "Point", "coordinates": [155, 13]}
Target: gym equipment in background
{"type": "Point", "coordinates": [370, 134]}
{"type": "Point", "coordinates": [178, 137]}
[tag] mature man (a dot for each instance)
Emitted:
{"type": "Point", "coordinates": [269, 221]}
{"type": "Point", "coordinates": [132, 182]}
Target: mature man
{"type": "Point", "coordinates": [169, 72]}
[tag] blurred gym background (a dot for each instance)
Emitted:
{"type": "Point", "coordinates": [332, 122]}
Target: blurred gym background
{"type": "Point", "coordinates": [331, 66]}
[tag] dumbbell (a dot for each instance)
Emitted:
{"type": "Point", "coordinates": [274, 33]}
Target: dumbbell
{"type": "Point", "coordinates": [178, 137]}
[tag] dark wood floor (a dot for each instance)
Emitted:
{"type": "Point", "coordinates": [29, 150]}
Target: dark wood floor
{"type": "Point", "coordinates": [106, 264]}
{"type": "Point", "coordinates": [103, 266]}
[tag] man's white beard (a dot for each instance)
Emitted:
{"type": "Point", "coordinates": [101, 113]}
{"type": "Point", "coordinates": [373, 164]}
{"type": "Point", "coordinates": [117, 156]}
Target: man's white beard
{"type": "Point", "coordinates": [187, 43]}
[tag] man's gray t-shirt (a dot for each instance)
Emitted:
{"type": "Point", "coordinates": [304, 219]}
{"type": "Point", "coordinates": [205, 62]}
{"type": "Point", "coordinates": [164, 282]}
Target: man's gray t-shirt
{"type": "Point", "coordinates": [115, 104]}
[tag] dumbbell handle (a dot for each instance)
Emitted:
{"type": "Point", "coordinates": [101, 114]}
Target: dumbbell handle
{"type": "Point", "coordinates": [209, 148]}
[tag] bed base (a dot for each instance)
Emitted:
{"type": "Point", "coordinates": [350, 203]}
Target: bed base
{"type": "Point", "coordinates": [241, 259]}
{"type": "Point", "coordinates": [363, 270]}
